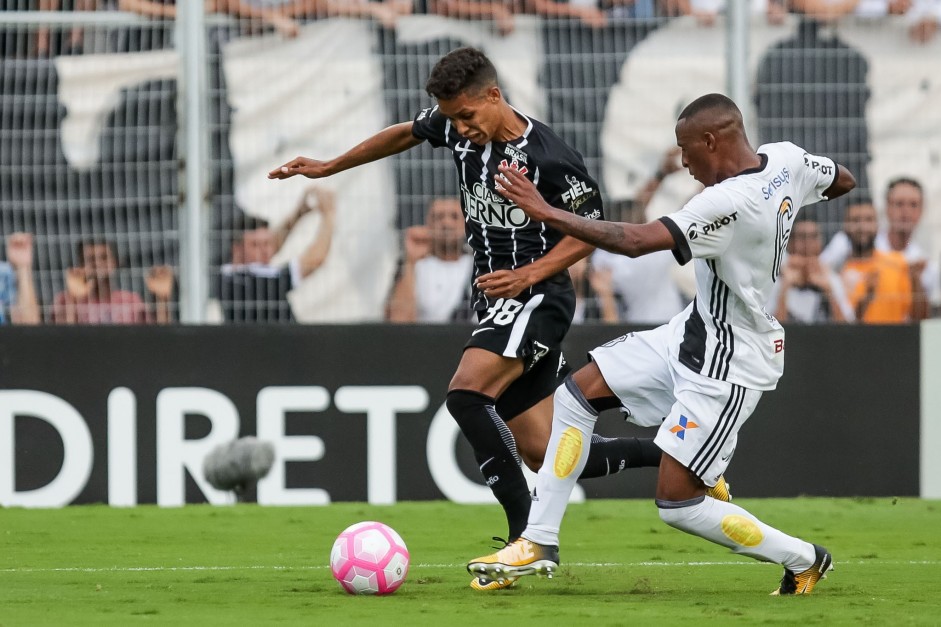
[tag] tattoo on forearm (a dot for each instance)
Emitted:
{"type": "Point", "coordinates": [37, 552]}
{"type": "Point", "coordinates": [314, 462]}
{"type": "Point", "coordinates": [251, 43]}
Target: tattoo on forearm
{"type": "Point", "coordinates": [606, 235]}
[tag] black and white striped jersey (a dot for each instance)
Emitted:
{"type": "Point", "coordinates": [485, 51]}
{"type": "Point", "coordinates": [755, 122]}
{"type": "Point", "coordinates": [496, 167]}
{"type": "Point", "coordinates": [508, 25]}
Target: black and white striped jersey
{"type": "Point", "coordinates": [737, 231]}
{"type": "Point", "coordinates": [500, 234]}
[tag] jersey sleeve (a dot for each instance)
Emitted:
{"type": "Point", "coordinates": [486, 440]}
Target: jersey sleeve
{"type": "Point", "coordinates": [817, 174]}
{"type": "Point", "coordinates": [703, 228]}
{"type": "Point", "coordinates": [569, 186]}
{"type": "Point", "coordinates": [431, 126]}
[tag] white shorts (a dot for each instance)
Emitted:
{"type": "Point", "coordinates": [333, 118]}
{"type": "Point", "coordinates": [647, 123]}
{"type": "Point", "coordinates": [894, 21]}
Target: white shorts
{"type": "Point", "coordinates": [698, 417]}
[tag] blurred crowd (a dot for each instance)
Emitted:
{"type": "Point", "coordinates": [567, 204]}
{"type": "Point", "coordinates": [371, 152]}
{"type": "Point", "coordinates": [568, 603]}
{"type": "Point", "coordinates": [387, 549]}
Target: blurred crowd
{"type": "Point", "coordinates": [871, 271]}
{"type": "Point", "coordinates": [285, 16]}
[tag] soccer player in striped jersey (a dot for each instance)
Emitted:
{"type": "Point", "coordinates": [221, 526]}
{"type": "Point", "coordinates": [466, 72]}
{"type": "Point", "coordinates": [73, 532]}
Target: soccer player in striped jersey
{"type": "Point", "coordinates": [707, 368]}
{"type": "Point", "coordinates": [501, 393]}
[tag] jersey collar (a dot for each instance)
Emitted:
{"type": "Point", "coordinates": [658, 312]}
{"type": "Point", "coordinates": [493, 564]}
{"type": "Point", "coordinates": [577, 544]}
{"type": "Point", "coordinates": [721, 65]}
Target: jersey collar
{"type": "Point", "coordinates": [758, 168]}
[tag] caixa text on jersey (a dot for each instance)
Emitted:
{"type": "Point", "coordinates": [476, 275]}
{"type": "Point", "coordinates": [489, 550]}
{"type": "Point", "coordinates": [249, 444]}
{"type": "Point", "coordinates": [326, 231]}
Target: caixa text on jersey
{"type": "Point", "coordinates": [485, 206]}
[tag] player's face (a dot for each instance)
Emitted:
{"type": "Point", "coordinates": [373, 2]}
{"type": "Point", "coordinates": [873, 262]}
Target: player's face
{"type": "Point", "coordinates": [475, 115]}
{"type": "Point", "coordinates": [696, 154]}
{"type": "Point", "coordinates": [903, 207]}
{"type": "Point", "coordinates": [258, 246]}
{"type": "Point", "coordinates": [861, 225]}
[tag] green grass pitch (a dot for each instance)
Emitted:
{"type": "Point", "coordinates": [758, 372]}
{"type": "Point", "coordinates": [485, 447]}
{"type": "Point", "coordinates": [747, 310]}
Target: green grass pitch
{"type": "Point", "coordinates": [248, 565]}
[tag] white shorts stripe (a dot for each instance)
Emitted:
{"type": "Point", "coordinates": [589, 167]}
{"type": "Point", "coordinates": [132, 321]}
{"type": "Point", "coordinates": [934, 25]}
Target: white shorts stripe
{"type": "Point", "coordinates": [519, 326]}
{"type": "Point", "coordinates": [717, 439]}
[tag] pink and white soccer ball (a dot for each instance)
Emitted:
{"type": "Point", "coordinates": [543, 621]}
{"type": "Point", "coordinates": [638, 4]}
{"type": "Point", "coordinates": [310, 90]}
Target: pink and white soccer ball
{"type": "Point", "coordinates": [369, 558]}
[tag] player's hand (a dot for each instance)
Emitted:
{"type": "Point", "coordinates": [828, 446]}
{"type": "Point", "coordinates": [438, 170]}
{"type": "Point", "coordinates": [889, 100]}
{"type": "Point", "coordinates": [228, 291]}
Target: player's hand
{"type": "Point", "coordinates": [311, 168]}
{"type": "Point", "coordinates": [503, 283]}
{"type": "Point", "coordinates": [417, 243]}
{"type": "Point", "coordinates": [518, 189]}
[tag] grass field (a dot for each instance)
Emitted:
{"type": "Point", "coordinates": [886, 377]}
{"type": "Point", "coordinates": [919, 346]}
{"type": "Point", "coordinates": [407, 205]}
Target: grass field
{"type": "Point", "coordinates": [248, 565]}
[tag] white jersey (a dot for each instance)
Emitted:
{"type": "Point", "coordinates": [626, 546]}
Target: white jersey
{"type": "Point", "coordinates": [737, 231]}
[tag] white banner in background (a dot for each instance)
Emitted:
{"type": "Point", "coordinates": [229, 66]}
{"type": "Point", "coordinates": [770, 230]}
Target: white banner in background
{"type": "Point", "coordinates": [317, 96]}
{"type": "Point", "coordinates": [684, 60]}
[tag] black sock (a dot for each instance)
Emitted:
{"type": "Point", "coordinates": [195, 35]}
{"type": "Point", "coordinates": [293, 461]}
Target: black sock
{"type": "Point", "coordinates": [495, 451]}
{"type": "Point", "coordinates": [607, 456]}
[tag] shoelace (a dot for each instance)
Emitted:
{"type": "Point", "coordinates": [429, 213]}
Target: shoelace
{"type": "Point", "coordinates": [504, 543]}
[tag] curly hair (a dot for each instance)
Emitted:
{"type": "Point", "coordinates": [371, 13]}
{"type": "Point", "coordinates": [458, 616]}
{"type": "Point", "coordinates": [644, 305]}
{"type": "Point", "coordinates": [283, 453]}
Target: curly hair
{"type": "Point", "coordinates": [460, 71]}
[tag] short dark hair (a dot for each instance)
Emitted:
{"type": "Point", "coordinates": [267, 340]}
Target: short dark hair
{"type": "Point", "coordinates": [97, 241]}
{"type": "Point", "coordinates": [459, 71]}
{"type": "Point", "coordinates": [904, 180]}
{"type": "Point", "coordinates": [709, 101]}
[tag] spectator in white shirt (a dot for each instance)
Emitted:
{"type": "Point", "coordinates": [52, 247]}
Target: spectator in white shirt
{"type": "Point", "coordinates": [433, 282]}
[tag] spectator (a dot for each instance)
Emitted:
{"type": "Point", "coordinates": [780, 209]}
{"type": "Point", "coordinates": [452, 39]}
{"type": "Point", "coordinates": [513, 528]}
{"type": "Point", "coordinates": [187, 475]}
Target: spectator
{"type": "Point", "coordinates": [271, 14]}
{"type": "Point", "coordinates": [586, 11]}
{"type": "Point", "coordinates": [925, 19]}
{"type": "Point", "coordinates": [432, 285]}
{"type": "Point", "coordinates": [386, 12]}
{"type": "Point", "coordinates": [18, 303]}
{"type": "Point", "coordinates": [500, 12]}
{"type": "Point", "coordinates": [91, 295]}
{"type": "Point", "coordinates": [251, 289]}
{"type": "Point", "coordinates": [878, 283]}
{"type": "Point", "coordinates": [73, 42]}
{"type": "Point", "coordinates": [808, 290]}
{"type": "Point", "coordinates": [706, 11]}
{"type": "Point", "coordinates": [629, 9]}
{"type": "Point", "coordinates": [592, 294]}
{"type": "Point", "coordinates": [904, 206]}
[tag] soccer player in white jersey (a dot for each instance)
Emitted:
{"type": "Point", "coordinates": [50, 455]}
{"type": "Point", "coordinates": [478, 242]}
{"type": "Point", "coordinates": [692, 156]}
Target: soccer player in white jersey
{"type": "Point", "coordinates": [704, 370]}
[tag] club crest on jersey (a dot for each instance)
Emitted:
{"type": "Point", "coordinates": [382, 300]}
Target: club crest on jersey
{"type": "Point", "coordinates": [786, 214]}
{"type": "Point", "coordinates": [514, 165]}
{"type": "Point", "coordinates": [485, 206]}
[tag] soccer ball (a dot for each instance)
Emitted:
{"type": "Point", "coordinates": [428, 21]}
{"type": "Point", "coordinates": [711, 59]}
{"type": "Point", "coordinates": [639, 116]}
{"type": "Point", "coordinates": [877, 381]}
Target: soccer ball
{"type": "Point", "coordinates": [369, 558]}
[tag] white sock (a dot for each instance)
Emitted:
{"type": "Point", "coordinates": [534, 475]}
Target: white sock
{"type": "Point", "coordinates": [573, 422]}
{"type": "Point", "coordinates": [732, 526]}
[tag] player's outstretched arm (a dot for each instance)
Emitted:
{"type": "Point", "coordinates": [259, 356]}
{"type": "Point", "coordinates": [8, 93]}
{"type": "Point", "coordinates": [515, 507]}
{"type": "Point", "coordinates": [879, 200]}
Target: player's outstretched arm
{"type": "Point", "coordinates": [845, 181]}
{"type": "Point", "coordinates": [389, 141]}
{"type": "Point", "coordinates": [632, 240]}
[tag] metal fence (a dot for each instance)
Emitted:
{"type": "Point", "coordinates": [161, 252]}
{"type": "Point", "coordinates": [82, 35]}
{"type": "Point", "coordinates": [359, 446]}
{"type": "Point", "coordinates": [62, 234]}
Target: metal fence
{"type": "Point", "coordinates": [149, 140]}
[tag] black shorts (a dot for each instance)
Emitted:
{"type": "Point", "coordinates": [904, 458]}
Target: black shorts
{"type": "Point", "coordinates": [535, 384]}
{"type": "Point", "coordinates": [530, 327]}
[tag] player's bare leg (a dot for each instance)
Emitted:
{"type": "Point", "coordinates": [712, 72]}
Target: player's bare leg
{"type": "Point", "coordinates": [532, 429]}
